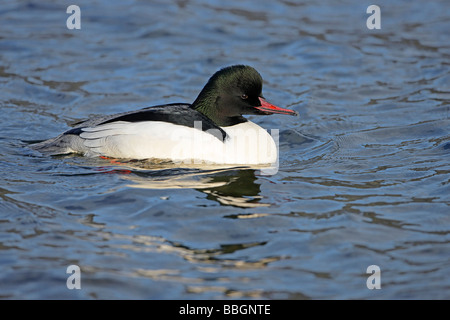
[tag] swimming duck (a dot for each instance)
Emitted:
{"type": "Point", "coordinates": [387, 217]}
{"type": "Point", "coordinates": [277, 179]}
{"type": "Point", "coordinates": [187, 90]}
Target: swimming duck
{"type": "Point", "coordinates": [210, 130]}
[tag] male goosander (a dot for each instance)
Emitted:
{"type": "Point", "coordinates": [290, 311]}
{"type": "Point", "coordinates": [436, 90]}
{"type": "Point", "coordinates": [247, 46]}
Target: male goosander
{"type": "Point", "coordinates": [210, 130]}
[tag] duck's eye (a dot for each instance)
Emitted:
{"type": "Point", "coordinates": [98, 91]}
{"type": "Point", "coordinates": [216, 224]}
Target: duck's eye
{"type": "Point", "coordinates": [244, 96]}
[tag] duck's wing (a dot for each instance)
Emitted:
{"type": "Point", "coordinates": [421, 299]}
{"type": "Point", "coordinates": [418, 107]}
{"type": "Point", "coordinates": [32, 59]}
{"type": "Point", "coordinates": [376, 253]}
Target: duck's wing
{"type": "Point", "coordinates": [103, 135]}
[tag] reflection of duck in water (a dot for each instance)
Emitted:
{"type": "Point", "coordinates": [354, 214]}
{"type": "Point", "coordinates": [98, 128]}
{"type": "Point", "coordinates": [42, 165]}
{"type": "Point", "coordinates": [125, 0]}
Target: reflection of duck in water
{"type": "Point", "coordinates": [211, 129]}
{"type": "Point", "coordinates": [240, 189]}
{"type": "Point", "coordinates": [235, 187]}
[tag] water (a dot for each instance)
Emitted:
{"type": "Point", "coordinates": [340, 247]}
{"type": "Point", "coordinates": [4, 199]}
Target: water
{"type": "Point", "coordinates": [364, 171]}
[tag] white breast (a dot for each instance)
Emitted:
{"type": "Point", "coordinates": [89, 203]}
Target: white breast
{"type": "Point", "coordinates": [247, 143]}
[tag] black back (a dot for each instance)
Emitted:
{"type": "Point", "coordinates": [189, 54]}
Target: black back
{"type": "Point", "coordinates": [177, 113]}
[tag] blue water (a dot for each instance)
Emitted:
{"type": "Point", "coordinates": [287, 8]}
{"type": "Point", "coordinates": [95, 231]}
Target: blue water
{"type": "Point", "coordinates": [364, 170]}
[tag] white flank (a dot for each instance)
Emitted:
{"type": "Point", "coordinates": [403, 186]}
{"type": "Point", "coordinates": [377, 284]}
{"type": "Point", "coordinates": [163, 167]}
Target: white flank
{"type": "Point", "coordinates": [247, 143]}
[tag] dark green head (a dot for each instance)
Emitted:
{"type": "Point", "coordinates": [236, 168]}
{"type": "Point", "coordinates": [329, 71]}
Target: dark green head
{"type": "Point", "coordinates": [232, 92]}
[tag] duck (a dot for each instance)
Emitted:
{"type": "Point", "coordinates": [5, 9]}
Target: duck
{"type": "Point", "coordinates": [211, 130]}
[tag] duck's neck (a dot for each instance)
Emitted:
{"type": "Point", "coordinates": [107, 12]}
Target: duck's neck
{"type": "Point", "coordinates": [210, 105]}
